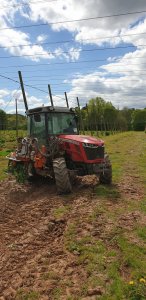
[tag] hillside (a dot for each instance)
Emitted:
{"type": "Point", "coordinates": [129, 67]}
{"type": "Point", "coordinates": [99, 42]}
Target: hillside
{"type": "Point", "coordinates": [11, 122]}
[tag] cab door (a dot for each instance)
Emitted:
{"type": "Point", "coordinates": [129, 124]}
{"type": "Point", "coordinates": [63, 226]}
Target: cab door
{"type": "Point", "coordinates": [38, 128]}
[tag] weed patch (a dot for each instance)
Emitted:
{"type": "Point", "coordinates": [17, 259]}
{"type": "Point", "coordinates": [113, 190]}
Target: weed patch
{"type": "Point", "coordinates": [31, 295]}
{"type": "Point", "coordinates": [142, 233]}
{"type": "Point", "coordinates": [108, 192]}
{"type": "Point", "coordinates": [61, 211]}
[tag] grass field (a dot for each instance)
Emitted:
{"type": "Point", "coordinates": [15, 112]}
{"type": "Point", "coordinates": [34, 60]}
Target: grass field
{"type": "Point", "coordinates": [113, 255]}
{"type": "Point", "coordinates": [7, 145]}
{"type": "Point", "coordinates": [120, 255]}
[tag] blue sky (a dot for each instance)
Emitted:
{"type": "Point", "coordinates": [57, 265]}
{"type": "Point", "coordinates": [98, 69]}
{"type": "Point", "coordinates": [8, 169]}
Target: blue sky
{"type": "Point", "coordinates": [71, 56]}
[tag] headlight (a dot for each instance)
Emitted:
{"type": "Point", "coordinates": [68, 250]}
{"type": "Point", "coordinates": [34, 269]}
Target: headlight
{"type": "Point", "coordinates": [90, 145]}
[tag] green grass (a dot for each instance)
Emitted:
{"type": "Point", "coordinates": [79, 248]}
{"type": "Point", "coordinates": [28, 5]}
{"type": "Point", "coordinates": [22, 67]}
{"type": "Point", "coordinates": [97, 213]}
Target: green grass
{"type": "Point", "coordinates": [3, 168]}
{"type": "Point", "coordinates": [142, 233]}
{"type": "Point", "coordinates": [116, 259]}
{"type": "Point", "coordinates": [56, 293]}
{"type": "Point", "coordinates": [4, 153]}
{"type": "Point", "coordinates": [31, 295]}
{"type": "Point", "coordinates": [61, 211]}
{"type": "Point", "coordinates": [110, 192]}
{"type": "Point", "coordinates": [50, 275]}
{"type": "Point", "coordinates": [7, 145]}
{"type": "Point", "coordinates": [133, 257]}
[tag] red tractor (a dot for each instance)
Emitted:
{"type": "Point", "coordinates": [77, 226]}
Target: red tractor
{"type": "Point", "coordinates": [55, 149]}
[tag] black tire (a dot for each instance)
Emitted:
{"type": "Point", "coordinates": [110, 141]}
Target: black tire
{"type": "Point", "coordinates": [61, 176]}
{"type": "Point", "coordinates": [10, 167]}
{"type": "Point", "coordinates": [106, 176]}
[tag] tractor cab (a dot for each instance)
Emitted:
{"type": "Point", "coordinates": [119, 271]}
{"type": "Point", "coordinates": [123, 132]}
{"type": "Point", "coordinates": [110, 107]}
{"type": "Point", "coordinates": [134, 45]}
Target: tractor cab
{"type": "Point", "coordinates": [49, 121]}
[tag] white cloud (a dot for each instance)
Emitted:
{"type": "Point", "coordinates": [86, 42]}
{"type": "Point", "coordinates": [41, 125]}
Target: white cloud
{"type": "Point", "coordinates": [130, 63]}
{"type": "Point", "coordinates": [11, 37]}
{"type": "Point", "coordinates": [2, 103]}
{"type": "Point", "coordinates": [59, 100]}
{"type": "Point", "coordinates": [121, 91]}
{"type": "Point", "coordinates": [22, 40]}
{"type": "Point", "coordinates": [4, 93]}
{"type": "Point", "coordinates": [33, 52]}
{"type": "Point", "coordinates": [88, 29]}
{"type": "Point", "coordinates": [7, 11]}
{"type": "Point", "coordinates": [87, 32]}
{"type": "Point", "coordinates": [72, 53]}
{"type": "Point", "coordinates": [13, 111]}
{"type": "Point", "coordinates": [32, 100]}
{"type": "Point", "coordinates": [60, 53]}
{"type": "Point", "coordinates": [41, 38]}
{"type": "Point", "coordinates": [121, 81]}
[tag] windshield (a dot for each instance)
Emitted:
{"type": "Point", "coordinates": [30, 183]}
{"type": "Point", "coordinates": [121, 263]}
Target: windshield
{"type": "Point", "coordinates": [62, 123]}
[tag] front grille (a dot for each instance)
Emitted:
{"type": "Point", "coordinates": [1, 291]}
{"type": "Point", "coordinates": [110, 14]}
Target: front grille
{"type": "Point", "coordinates": [94, 153]}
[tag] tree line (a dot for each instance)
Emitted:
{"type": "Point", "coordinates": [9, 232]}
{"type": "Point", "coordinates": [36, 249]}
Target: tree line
{"type": "Point", "coordinates": [100, 115]}
{"type": "Point", "coordinates": [97, 115]}
{"type": "Point", "coordinates": [8, 121]}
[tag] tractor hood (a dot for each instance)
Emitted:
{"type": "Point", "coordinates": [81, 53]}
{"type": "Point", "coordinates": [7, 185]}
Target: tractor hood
{"type": "Point", "coordinates": [76, 139]}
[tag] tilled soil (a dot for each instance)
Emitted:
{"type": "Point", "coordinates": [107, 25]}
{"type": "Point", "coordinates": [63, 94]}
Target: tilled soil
{"type": "Point", "coordinates": [34, 258]}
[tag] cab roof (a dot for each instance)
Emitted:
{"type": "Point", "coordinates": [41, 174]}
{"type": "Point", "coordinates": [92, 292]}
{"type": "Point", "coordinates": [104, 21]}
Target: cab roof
{"type": "Point", "coordinates": [45, 109]}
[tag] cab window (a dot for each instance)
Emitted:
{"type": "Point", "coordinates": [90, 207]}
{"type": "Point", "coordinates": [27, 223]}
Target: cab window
{"type": "Point", "coordinates": [37, 127]}
{"type": "Point", "coordinates": [60, 123]}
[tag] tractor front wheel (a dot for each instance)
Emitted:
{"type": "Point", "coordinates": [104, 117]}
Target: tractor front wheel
{"type": "Point", "coordinates": [106, 176]}
{"type": "Point", "coordinates": [61, 176]}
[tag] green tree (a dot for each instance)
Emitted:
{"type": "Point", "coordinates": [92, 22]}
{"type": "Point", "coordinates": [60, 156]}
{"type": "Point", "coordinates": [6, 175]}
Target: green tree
{"type": "Point", "coordinates": [3, 120]}
{"type": "Point", "coordinates": [110, 117]}
{"type": "Point", "coordinates": [121, 122]}
{"type": "Point", "coordinates": [127, 113]}
{"type": "Point", "coordinates": [96, 113]}
{"type": "Point", "coordinates": [139, 119]}
{"type": "Point", "coordinates": [101, 115]}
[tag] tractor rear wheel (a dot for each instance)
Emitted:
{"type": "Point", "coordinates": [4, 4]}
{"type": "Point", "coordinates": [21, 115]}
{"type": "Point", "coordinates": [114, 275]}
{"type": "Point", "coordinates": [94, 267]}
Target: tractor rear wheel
{"type": "Point", "coordinates": [61, 176]}
{"type": "Point", "coordinates": [106, 176]}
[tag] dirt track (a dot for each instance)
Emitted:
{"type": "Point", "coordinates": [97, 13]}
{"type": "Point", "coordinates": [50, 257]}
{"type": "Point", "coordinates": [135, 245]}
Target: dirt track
{"type": "Point", "coordinates": [33, 251]}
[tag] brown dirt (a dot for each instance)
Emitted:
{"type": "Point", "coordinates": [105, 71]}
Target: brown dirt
{"type": "Point", "coordinates": [33, 256]}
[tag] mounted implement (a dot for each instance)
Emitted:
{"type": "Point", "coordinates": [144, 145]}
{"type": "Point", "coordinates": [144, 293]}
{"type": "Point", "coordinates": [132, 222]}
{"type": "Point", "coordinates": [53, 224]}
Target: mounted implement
{"type": "Point", "coordinates": [55, 149]}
